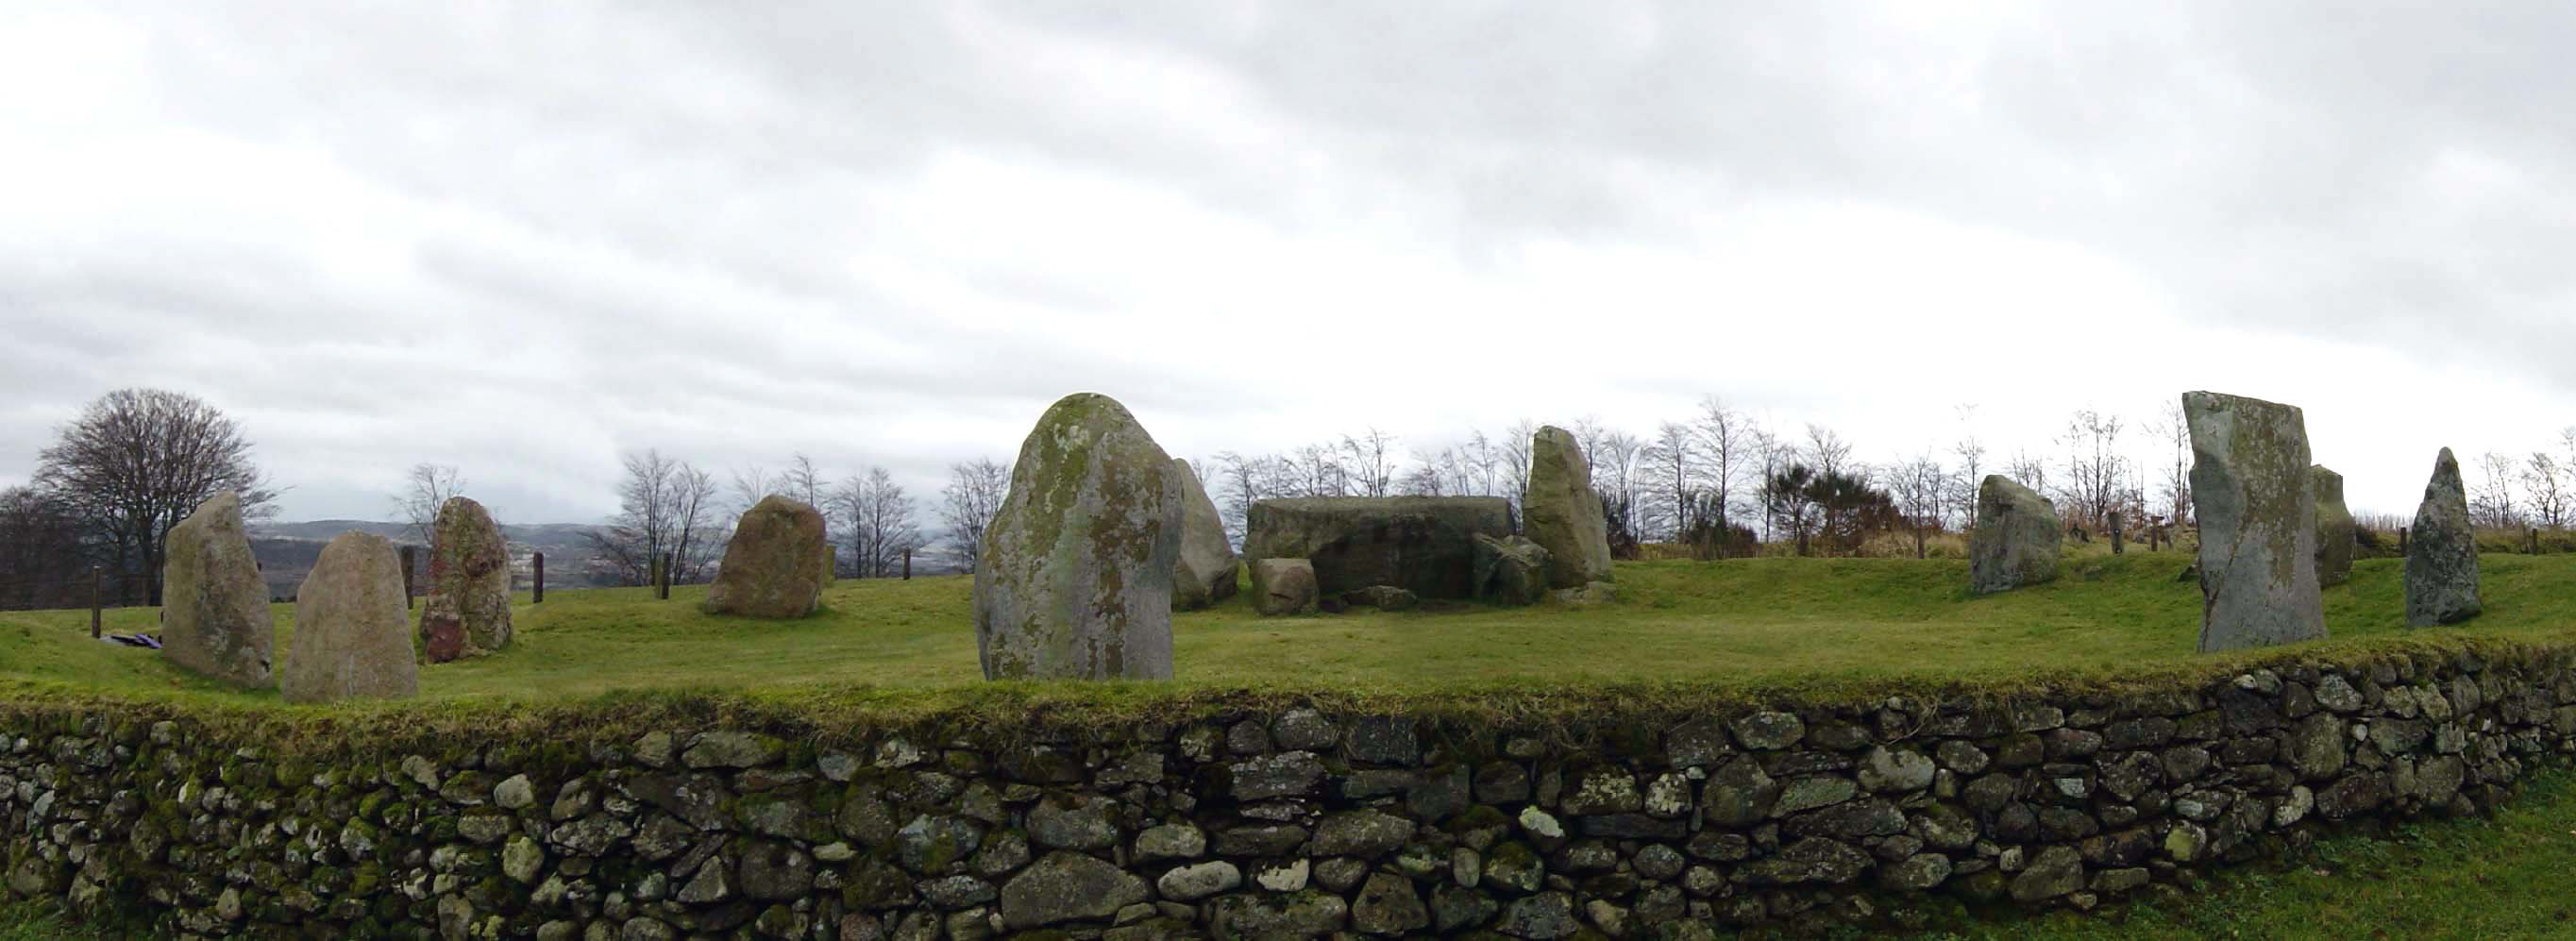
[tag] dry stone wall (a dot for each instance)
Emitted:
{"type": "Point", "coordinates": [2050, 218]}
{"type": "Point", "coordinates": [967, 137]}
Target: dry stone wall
{"type": "Point", "coordinates": [1265, 823]}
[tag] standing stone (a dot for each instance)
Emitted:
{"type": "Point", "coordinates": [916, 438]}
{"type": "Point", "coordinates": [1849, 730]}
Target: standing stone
{"type": "Point", "coordinates": [352, 635]}
{"type": "Point", "coordinates": [1074, 580]}
{"type": "Point", "coordinates": [773, 566]}
{"type": "Point", "coordinates": [1562, 514]}
{"type": "Point", "coordinates": [2442, 559]}
{"type": "Point", "coordinates": [2252, 493]}
{"type": "Point", "coordinates": [468, 608]}
{"type": "Point", "coordinates": [2017, 538]}
{"type": "Point", "coordinates": [2334, 527]}
{"type": "Point", "coordinates": [214, 615]}
{"type": "Point", "coordinates": [1205, 573]}
{"type": "Point", "coordinates": [1283, 586]}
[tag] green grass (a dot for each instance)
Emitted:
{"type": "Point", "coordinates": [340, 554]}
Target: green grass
{"type": "Point", "coordinates": [2512, 875]}
{"type": "Point", "coordinates": [1744, 627]}
{"type": "Point", "coordinates": [36, 920]}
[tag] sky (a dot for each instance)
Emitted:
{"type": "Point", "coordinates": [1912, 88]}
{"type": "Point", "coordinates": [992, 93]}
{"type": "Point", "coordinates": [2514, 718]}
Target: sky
{"type": "Point", "coordinates": [522, 239]}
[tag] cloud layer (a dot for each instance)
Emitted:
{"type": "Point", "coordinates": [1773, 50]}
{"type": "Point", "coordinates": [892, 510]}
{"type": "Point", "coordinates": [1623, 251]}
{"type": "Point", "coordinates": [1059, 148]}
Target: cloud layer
{"type": "Point", "coordinates": [521, 239]}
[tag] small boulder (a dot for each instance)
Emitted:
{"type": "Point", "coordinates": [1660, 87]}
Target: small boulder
{"type": "Point", "coordinates": [1561, 512]}
{"type": "Point", "coordinates": [2442, 553]}
{"type": "Point", "coordinates": [352, 636]}
{"type": "Point", "coordinates": [773, 566]}
{"type": "Point", "coordinates": [2252, 493]}
{"type": "Point", "coordinates": [1382, 597]}
{"type": "Point", "coordinates": [2016, 540]}
{"type": "Point", "coordinates": [469, 582]}
{"type": "Point", "coordinates": [1074, 579]}
{"type": "Point", "coordinates": [1510, 570]}
{"type": "Point", "coordinates": [214, 615]}
{"type": "Point", "coordinates": [1205, 572]}
{"type": "Point", "coordinates": [1283, 586]}
{"type": "Point", "coordinates": [2335, 527]}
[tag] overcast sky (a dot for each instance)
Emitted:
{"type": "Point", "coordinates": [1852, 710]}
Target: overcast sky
{"type": "Point", "coordinates": [522, 237]}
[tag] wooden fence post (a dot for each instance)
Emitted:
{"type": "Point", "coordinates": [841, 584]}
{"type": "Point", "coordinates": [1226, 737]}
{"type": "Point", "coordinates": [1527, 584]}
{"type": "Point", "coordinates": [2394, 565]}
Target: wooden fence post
{"type": "Point", "coordinates": [664, 589]}
{"type": "Point", "coordinates": [539, 583]}
{"type": "Point", "coordinates": [97, 597]}
{"type": "Point", "coordinates": [2115, 534]}
{"type": "Point", "coordinates": [2401, 540]}
{"type": "Point", "coordinates": [2535, 542]}
{"type": "Point", "coordinates": [907, 565]}
{"type": "Point", "coordinates": [407, 561]}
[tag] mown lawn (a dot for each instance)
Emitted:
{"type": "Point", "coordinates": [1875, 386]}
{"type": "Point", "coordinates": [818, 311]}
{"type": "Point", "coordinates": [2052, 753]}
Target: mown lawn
{"type": "Point", "coordinates": [1752, 624]}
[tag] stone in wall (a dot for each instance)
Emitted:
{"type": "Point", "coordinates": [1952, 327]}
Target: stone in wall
{"type": "Point", "coordinates": [214, 616]}
{"type": "Point", "coordinates": [1233, 821]}
{"type": "Point", "coordinates": [2251, 492]}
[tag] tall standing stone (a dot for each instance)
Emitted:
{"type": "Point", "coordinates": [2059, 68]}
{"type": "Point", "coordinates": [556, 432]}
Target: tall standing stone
{"type": "Point", "coordinates": [2251, 491]}
{"type": "Point", "coordinates": [773, 566]}
{"type": "Point", "coordinates": [2442, 558]}
{"type": "Point", "coordinates": [1074, 580]}
{"type": "Point", "coordinates": [2335, 527]}
{"type": "Point", "coordinates": [1562, 514]}
{"type": "Point", "coordinates": [467, 611]}
{"type": "Point", "coordinates": [1205, 572]}
{"type": "Point", "coordinates": [352, 634]}
{"type": "Point", "coordinates": [2017, 540]}
{"type": "Point", "coordinates": [214, 614]}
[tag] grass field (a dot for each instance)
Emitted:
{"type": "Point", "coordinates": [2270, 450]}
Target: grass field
{"type": "Point", "coordinates": [1749, 624]}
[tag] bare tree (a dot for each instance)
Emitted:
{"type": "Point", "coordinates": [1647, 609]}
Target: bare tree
{"type": "Point", "coordinates": [881, 529]}
{"type": "Point", "coordinates": [664, 506]}
{"type": "Point", "coordinates": [136, 462]}
{"type": "Point", "coordinates": [1614, 474]}
{"type": "Point", "coordinates": [1970, 469]}
{"type": "Point", "coordinates": [1725, 448]}
{"type": "Point", "coordinates": [1516, 461]}
{"type": "Point", "coordinates": [2546, 481]}
{"type": "Point", "coordinates": [802, 481]}
{"type": "Point", "coordinates": [1481, 460]}
{"type": "Point", "coordinates": [2092, 486]}
{"type": "Point", "coordinates": [2173, 429]}
{"type": "Point", "coordinates": [426, 488]}
{"type": "Point", "coordinates": [1370, 462]}
{"type": "Point", "coordinates": [1240, 481]}
{"type": "Point", "coordinates": [2491, 501]}
{"type": "Point", "coordinates": [749, 486]}
{"type": "Point", "coordinates": [974, 493]}
{"type": "Point", "coordinates": [1918, 486]}
{"type": "Point", "coordinates": [1672, 459]}
{"type": "Point", "coordinates": [1826, 452]}
{"type": "Point", "coordinates": [2028, 470]}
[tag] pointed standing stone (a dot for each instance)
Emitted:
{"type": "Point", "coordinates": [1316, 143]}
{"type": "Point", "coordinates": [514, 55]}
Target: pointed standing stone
{"type": "Point", "coordinates": [2442, 558]}
{"type": "Point", "coordinates": [1205, 573]}
{"type": "Point", "coordinates": [467, 611]}
{"type": "Point", "coordinates": [2252, 493]}
{"type": "Point", "coordinates": [1561, 513]}
{"type": "Point", "coordinates": [214, 614]}
{"type": "Point", "coordinates": [1074, 580]}
{"type": "Point", "coordinates": [773, 566]}
{"type": "Point", "coordinates": [352, 636]}
{"type": "Point", "coordinates": [2334, 528]}
{"type": "Point", "coordinates": [2017, 539]}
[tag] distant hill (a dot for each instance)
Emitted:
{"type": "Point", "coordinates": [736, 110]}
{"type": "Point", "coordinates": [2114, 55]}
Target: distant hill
{"type": "Point", "coordinates": [286, 551]}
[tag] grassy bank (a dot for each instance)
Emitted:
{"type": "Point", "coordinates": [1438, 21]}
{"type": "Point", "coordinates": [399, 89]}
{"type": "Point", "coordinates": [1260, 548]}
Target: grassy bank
{"type": "Point", "coordinates": [1814, 624]}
